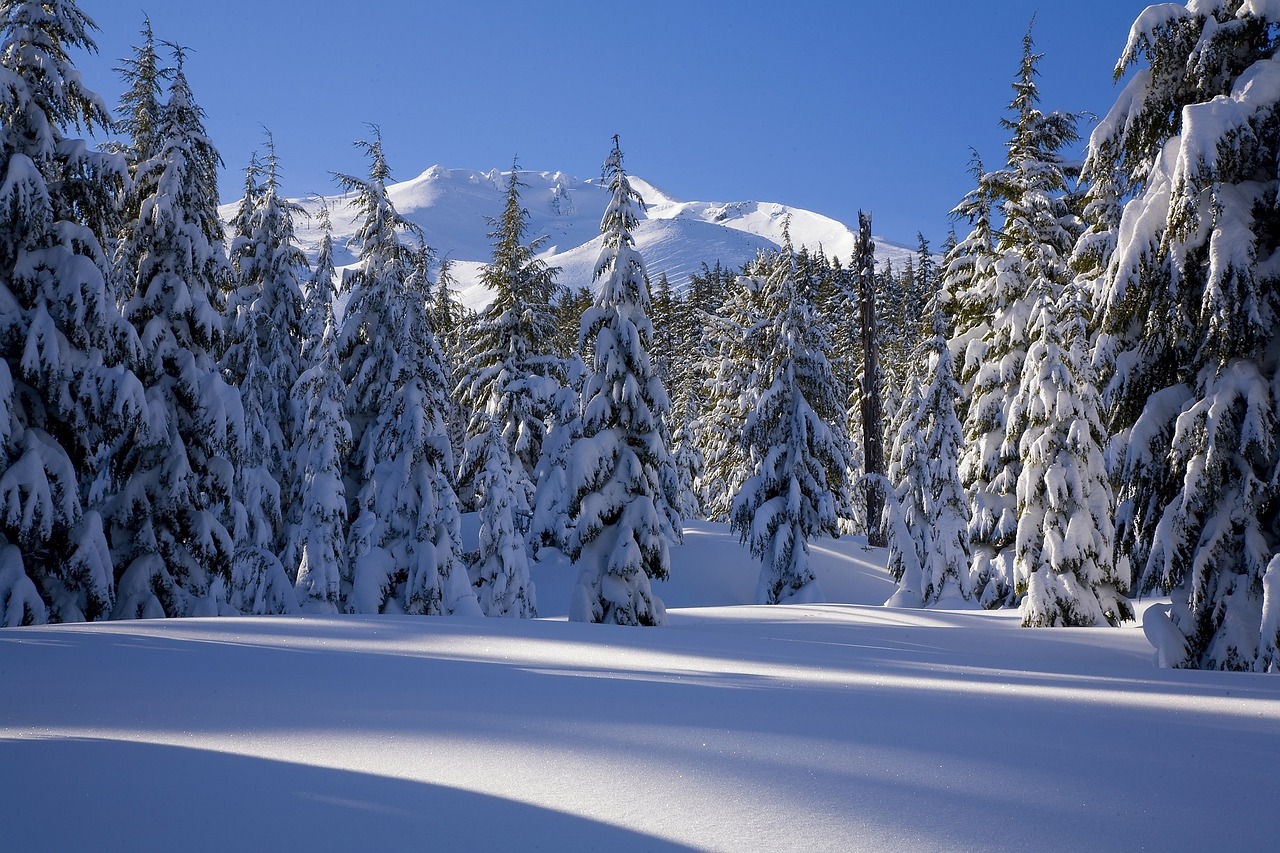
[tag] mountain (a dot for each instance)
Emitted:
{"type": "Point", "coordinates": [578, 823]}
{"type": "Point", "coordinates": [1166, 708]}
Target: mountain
{"type": "Point", "coordinates": [675, 237]}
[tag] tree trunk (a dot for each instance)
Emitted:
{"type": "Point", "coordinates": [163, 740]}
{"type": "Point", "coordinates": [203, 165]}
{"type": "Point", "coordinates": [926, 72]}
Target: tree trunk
{"type": "Point", "coordinates": [872, 420]}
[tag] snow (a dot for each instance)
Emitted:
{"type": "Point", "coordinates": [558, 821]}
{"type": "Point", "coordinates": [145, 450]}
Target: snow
{"type": "Point", "coordinates": [675, 237]}
{"type": "Point", "coordinates": [837, 726]}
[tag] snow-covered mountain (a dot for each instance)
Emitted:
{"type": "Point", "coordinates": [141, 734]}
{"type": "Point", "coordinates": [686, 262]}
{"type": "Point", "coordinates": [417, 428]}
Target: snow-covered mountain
{"type": "Point", "coordinates": [676, 237]}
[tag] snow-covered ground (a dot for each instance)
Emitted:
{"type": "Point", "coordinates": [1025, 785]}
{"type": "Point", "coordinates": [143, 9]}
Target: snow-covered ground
{"type": "Point", "coordinates": [841, 726]}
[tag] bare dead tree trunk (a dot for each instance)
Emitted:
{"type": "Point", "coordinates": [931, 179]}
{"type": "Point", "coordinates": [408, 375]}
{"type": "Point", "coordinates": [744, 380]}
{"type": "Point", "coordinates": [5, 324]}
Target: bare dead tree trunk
{"type": "Point", "coordinates": [872, 419]}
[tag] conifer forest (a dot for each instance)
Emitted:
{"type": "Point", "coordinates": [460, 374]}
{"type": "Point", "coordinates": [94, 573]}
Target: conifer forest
{"type": "Point", "coordinates": [1072, 403]}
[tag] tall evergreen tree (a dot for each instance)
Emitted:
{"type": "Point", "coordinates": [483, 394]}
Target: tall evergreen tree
{"type": "Point", "coordinates": [797, 487]}
{"type": "Point", "coordinates": [1064, 560]}
{"type": "Point", "coordinates": [512, 375]}
{"type": "Point", "coordinates": [1189, 317]}
{"type": "Point", "coordinates": [1028, 267]}
{"type": "Point", "coordinates": [172, 527]}
{"type": "Point", "coordinates": [317, 553]}
{"type": "Point", "coordinates": [501, 575]}
{"type": "Point", "coordinates": [406, 533]}
{"type": "Point", "coordinates": [68, 402]}
{"type": "Point", "coordinates": [929, 554]}
{"type": "Point", "coordinates": [140, 108]}
{"type": "Point", "coordinates": [872, 411]}
{"type": "Point", "coordinates": [621, 485]}
{"type": "Point", "coordinates": [264, 359]}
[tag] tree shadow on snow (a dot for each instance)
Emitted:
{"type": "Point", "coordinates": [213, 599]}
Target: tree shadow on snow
{"type": "Point", "coordinates": [101, 794]}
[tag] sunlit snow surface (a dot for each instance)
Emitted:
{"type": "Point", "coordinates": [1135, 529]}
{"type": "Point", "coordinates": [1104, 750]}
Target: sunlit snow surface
{"type": "Point", "coordinates": [453, 207]}
{"type": "Point", "coordinates": [829, 727]}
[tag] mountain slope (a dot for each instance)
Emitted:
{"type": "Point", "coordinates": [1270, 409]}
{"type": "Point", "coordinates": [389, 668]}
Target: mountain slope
{"type": "Point", "coordinates": [675, 238]}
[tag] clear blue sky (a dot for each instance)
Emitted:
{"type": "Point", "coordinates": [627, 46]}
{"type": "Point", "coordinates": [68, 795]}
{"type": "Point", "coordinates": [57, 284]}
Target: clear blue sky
{"type": "Point", "coordinates": [831, 106]}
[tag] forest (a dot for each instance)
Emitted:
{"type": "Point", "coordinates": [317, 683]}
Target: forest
{"type": "Point", "coordinates": [1072, 402]}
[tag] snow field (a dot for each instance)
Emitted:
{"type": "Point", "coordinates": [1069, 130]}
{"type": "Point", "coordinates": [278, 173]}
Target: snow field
{"type": "Point", "coordinates": [841, 726]}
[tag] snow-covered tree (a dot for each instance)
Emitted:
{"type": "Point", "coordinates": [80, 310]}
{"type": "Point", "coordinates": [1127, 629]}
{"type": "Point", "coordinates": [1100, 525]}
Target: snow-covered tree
{"type": "Point", "coordinates": [141, 104]}
{"type": "Point", "coordinates": [68, 403]}
{"type": "Point", "coordinates": [1189, 318]}
{"type": "Point", "coordinates": [318, 295]}
{"type": "Point", "coordinates": [317, 552]}
{"type": "Point", "coordinates": [501, 574]}
{"type": "Point", "coordinates": [1064, 558]}
{"type": "Point", "coordinates": [730, 365]}
{"type": "Point", "coordinates": [621, 485]}
{"type": "Point", "coordinates": [172, 524]}
{"type": "Point", "coordinates": [264, 359]}
{"type": "Point", "coordinates": [1029, 263]}
{"type": "Point", "coordinates": [406, 528]}
{"type": "Point", "coordinates": [511, 374]}
{"type": "Point", "coordinates": [549, 524]}
{"type": "Point", "coordinates": [797, 487]}
{"type": "Point", "coordinates": [933, 563]}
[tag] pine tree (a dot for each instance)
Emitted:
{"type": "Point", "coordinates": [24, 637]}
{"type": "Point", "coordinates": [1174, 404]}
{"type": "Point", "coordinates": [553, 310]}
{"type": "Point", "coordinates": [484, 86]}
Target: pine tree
{"type": "Point", "coordinates": [1189, 304]}
{"type": "Point", "coordinates": [872, 381]}
{"type": "Point", "coordinates": [140, 108]}
{"type": "Point", "coordinates": [68, 401]}
{"type": "Point", "coordinates": [501, 575]}
{"type": "Point", "coordinates": [925, 470]}
{"type": "Point", "coordinates": [172, 525]}
{"type": "Point", "coordinates": [1064, 551]}
{"type": "Point", "coordinates": [731, 390]}
{"type": "Point", "coordinates": [406, 529]}
{"type": "Point", "coordinates": [622, 488]}
{"type": "Point", "coordinates": [967, 277]}
{"type": "Point", "coordinates": [797, 487]}
{"type": "Point", "coordinates": [317, 555]}
{"type": "Point", "coordinates": [1029, 264]}
{"type": "Point", "coordinates": [264, 359]}
{"type": "Point", "coordinates": [511, 375]}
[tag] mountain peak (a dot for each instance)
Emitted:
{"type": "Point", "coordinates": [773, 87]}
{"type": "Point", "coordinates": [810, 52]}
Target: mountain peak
{"type": "Point", "coordinates": [453, 207]}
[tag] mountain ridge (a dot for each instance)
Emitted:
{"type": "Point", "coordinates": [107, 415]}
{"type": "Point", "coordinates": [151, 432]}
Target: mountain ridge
{"type": "Point", "coordinates": [675, 237]}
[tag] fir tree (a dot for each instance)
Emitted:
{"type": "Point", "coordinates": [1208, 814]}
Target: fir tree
{"type": "Point", "coordinates": [511, 375]}
{"type": "Point", "coordinates": [68, 403]}
{"type": "Point", "coordinates": [1028, 265]}
{"type": "Point", "coordinates": [872, 411]}
{"type": "Point", "coordinates": [501, 575]}
{"type": "Point", "coordinates": [933, 563]}
{"type": "Point", "coordinates": [797, 486]}
{"type": "Point", "coordinates": [1189, 303]}
{"type": "Point", "coordinates": [406, 534]}
{"type": "Point", "coordinates": [731, 390]}
{"type": "Point", "coordinates": [264, 360]}
{"type": "Point", "coordinates": [172, 527]}
{"type": "Point", "coordinates": [1064, 559]}
{"type": "Point", "coordinates": [620, 481]}
{"type": "Point", "coordinates": [317, 555]}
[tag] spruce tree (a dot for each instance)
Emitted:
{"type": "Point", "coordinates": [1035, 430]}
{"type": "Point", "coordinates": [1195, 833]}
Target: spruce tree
{"type": "Point", "coordinates": [264, 359]}
{"type": "Point", "coordinates": [68, 402]}
{"type": "Point", "coordinates": [730, 361]}
{"type": "Point", "coordinates": [1189, 304]}
{"type": "Point", "coordinates": [317, 553]}
{"type": "Point", "coordinates": [929, 552]}
{"type": "Point", "coordinates": [501, 575]}
{"type": "Point", "coordinates": [797, 487]}
{"type": "Point", "coordinates": [872, 381]}
{"type": "Point", "coordinates": [511, 374]}
{"type": "Point", "coordinates": [1028, 265]}
{"type": "Point", "coordinates": [1064, 560]}
{"type": "Point", "coordinates": [621, 485]}
{"type": "Point", "coordinates": [172, 526]}
{"type": "Point", "coordinates": [406, 533]}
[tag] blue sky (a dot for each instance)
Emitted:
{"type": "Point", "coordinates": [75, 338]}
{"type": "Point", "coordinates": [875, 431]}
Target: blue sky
{"type": "Point", "coordinates": [831, 106]}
